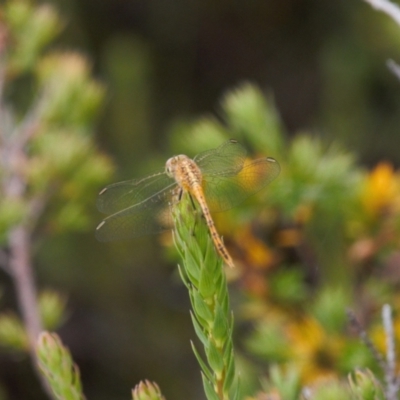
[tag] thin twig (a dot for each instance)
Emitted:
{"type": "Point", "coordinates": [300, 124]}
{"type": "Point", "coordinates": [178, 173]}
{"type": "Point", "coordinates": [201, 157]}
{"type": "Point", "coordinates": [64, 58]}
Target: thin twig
{"type": "Point", "coordinates": [387, 7]}
{"type": "Point", "coordinates": [394, 68]}
{"type": "Point", "coordinates": [21, 269]}
{"type": "Point", "coordinates": [13, 152]}
{"type": "Point", "coordinates": [367, 341]}
{"type": "Point", "coordinates": [390, 370]}
{"type": "Point", "coordinates": [36, 208]}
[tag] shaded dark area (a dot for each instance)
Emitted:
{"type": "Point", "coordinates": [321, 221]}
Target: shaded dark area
{"type": "Point", "coordinates": [200, 49]}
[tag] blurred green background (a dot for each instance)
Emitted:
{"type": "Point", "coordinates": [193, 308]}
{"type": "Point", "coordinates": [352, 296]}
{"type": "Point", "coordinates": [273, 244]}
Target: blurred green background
{"type": "Point", "coordinates": [165, 64]}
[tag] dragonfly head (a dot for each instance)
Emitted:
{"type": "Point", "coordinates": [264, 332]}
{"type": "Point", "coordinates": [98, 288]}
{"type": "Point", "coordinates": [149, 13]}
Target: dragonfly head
{"type": "Point", "coordinates": [172, 164]}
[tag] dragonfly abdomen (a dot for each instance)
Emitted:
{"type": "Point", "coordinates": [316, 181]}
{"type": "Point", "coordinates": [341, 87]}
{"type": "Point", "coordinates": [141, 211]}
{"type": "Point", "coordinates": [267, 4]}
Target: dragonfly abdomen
{"type": "Point", "coordinates": [188, 176]}
{"type": "Point", "coordinates": [197, 192]}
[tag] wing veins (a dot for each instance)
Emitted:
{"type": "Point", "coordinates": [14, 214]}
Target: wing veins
{"type": "Point", "coordinates": [142, 204]}
{"type": "Point", "coordinates": [117, 196]}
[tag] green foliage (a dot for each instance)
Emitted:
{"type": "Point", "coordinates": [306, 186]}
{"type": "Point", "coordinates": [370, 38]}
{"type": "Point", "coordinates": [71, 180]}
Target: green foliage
{"type": "Point", "coordinates": [146, 390]}
{"type": "Point", "coordinates": [59, 168]}
{"type": "Point", "coordinates": [287, 287]}
{"type": "Point", "coordinates": [287, 384]}
{"type": "Point", "coordinates": [249, 115]}
{"type": "Point", "coordinates": [72, 97]}
{"type": "Point", "coordinates": [52, 307]}
{"type": "Point", "coordinates": [328, 307]}
{"type": "Point", "coordinates": [364, 386]}
{"type": "Point", "coordinates": [32, 28]}
{"type": "Point", "coordinates": [57, 366]}
{"type": "Point", "coordinates": [205, 280]}
{"type": "Point", "coordinates": [331, 390]}
{"type": "Point", "coordinates": [326, 179]}
{"type": "Point", "coordinates": [12, 212]}
{"type": "Point", "coordinates": [12, 333]}
{"type": "Point", "coordinates": [249, 118]}
{"type": "Point", "coordinates": [268, 342]}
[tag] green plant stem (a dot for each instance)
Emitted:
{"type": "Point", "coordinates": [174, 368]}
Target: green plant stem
{"type": "Point", "coordinates": [58, 368]}
{"type": "Point", "coordinates": [203, 275]}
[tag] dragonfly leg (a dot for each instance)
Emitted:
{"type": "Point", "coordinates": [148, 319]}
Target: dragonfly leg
{"type": "Point", "coordinates": [191, 200]}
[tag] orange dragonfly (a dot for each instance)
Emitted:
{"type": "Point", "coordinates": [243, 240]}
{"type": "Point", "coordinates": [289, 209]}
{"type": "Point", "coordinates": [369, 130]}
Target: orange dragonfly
{"type": "Point", "coordinates": [218, 179]}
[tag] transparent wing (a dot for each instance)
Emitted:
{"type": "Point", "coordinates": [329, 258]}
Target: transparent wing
{"type": "Point", "coordinates": [147, 217]}
{"type": "Point", "coordinates": [225, 160]}
{"type": "Point", "coordinates": [119, 196]}
{"type": "Point", "coordinates": [223, 192]}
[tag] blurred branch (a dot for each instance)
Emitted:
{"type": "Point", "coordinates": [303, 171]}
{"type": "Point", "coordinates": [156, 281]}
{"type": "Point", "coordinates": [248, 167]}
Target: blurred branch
{"type": "Point", "coordinates": [19, 240]}
{"type": "Point", "coordinates": [365, 338]}
{"type": "Point", "coordinates": [20, 266]}
{"type": "Point", "coordinates": [387, 7]}
{"type": "Point", "coordinates": [393, 67]}
{"type": "Point", "coordinates": [19, 263]}
{"type": "Point", "coordinates": [388, 366]}
{"type": "Point", "coordinates": [392, 384]}
{"type": "Point", "coordinates": [21, 270]}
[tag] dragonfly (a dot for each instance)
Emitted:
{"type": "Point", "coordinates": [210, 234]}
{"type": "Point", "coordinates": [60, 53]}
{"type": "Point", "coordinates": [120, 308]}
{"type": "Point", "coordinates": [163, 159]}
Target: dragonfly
{"type": "Point", "coordinates": [217, 179]}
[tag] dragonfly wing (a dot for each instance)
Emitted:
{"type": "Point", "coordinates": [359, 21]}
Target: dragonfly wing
{"type": "Point", "coordinates": [224, 192]}
{"type": "Point", "coordinates": [148, 217]}
{"type": "Point", "coordinates": [226, 160]}
{"type": "Point", "coordinates": [122, 195]}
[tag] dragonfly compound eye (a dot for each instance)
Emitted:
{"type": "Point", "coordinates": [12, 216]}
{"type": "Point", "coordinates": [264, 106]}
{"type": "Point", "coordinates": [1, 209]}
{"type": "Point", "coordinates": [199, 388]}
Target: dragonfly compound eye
{"type": "Point", "coordinates": [168, 168]}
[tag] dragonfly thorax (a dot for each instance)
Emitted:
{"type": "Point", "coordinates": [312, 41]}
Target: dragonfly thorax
{"type": "Point", "coordinates": [184, 170]}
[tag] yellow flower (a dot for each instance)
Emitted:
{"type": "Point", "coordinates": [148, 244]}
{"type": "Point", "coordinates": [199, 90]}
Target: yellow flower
{"type": "Point", "coordinates": [381, 189]}
{"type": "Point", "coordinates": [255, 251]}
{"type": "Point", "coordinates": [314, 351]}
